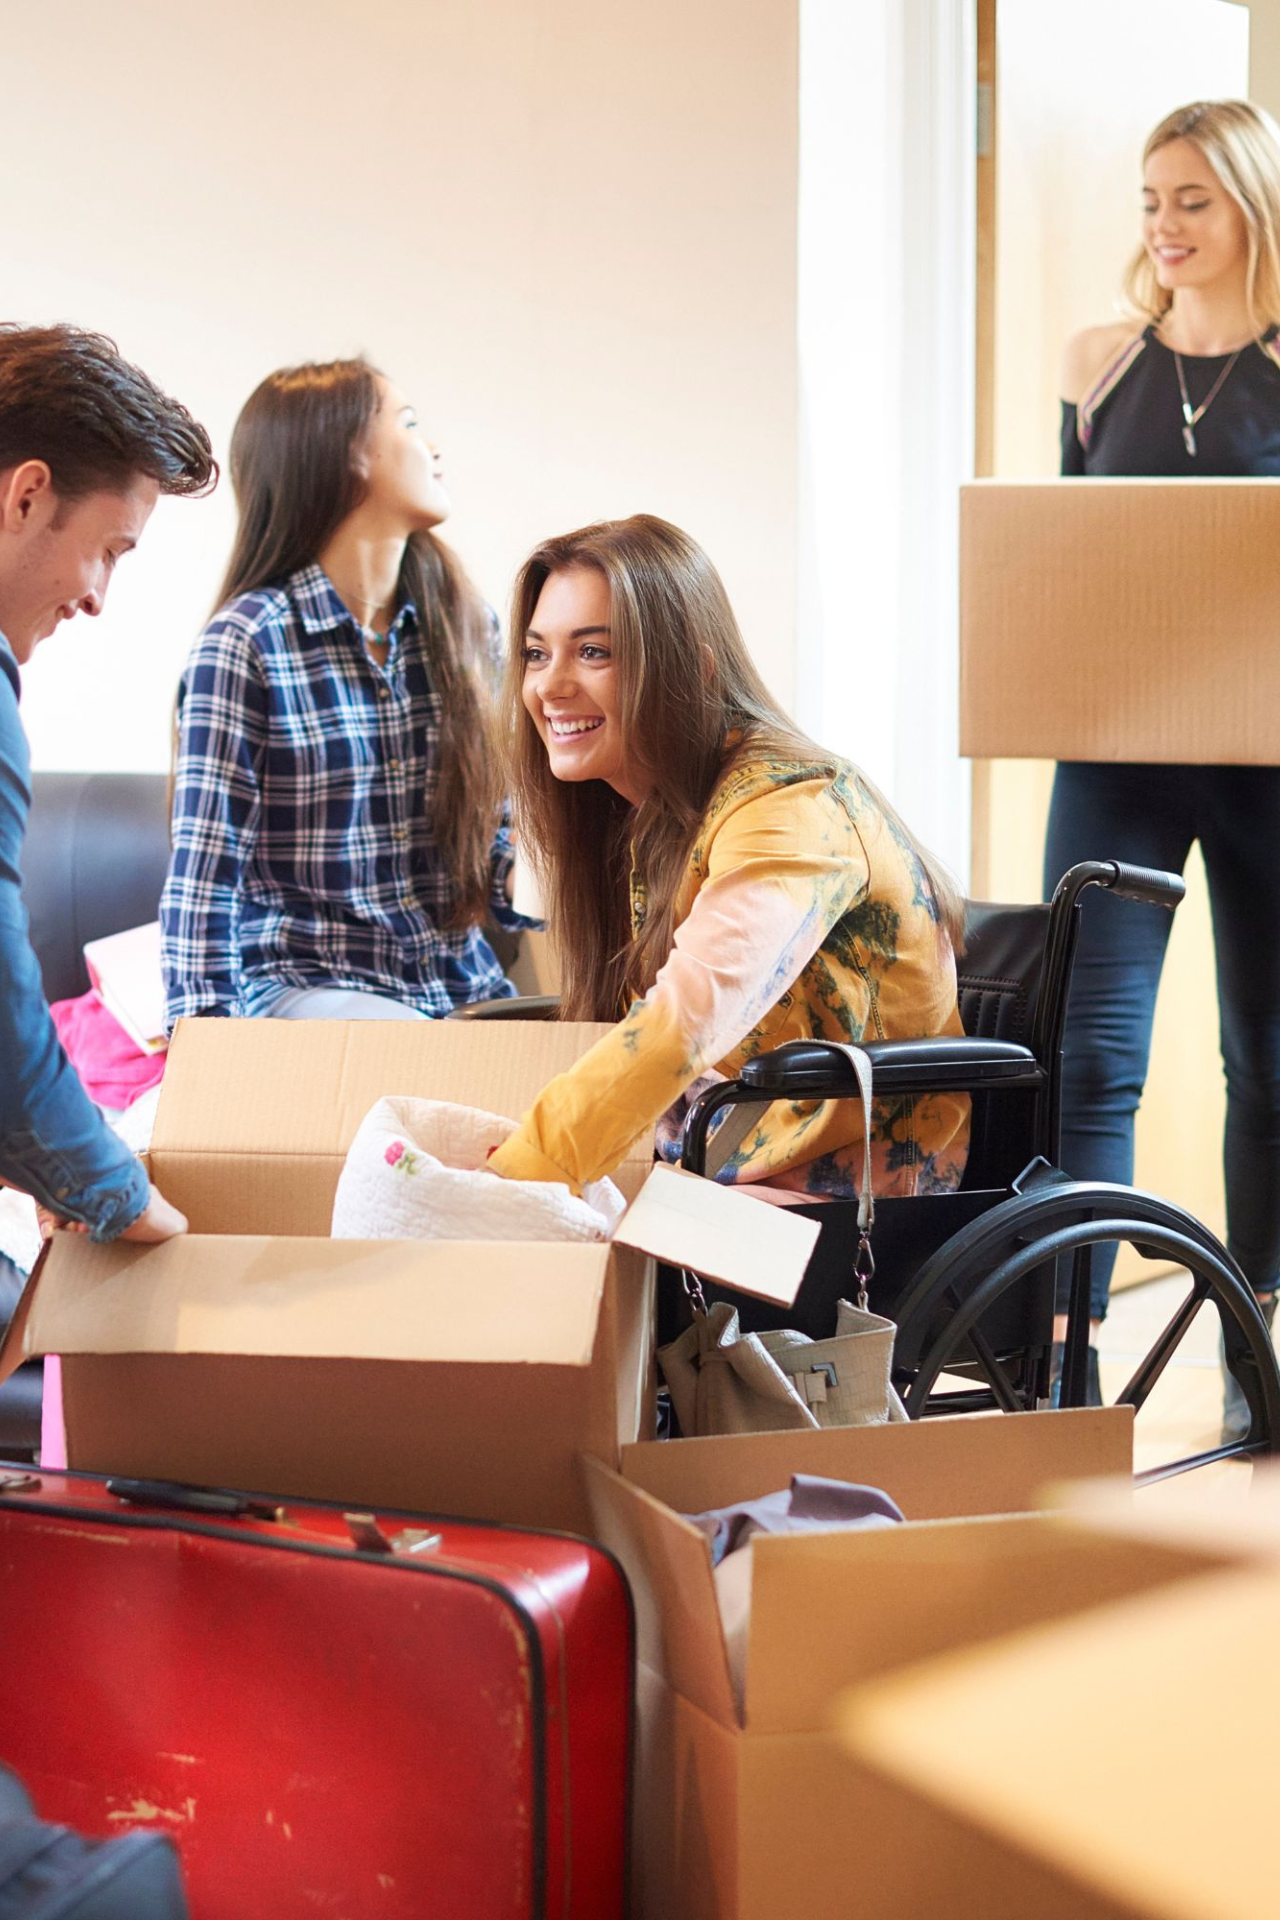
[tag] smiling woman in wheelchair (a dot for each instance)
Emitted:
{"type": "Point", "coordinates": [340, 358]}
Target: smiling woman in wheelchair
{"type": "Point", "coordinates": [717, 884]}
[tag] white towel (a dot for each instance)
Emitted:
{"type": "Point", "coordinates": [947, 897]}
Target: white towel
{"type": "Point", "coordinates": [416, 1171]}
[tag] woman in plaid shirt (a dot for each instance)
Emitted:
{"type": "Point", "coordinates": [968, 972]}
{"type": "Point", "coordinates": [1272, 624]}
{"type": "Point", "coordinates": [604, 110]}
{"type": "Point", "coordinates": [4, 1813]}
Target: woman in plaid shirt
{"type": "Point", "coordinates": [338, 830]}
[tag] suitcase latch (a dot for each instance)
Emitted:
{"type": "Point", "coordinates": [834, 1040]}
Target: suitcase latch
{"type": "Point", "coordinates": [368, 1536]}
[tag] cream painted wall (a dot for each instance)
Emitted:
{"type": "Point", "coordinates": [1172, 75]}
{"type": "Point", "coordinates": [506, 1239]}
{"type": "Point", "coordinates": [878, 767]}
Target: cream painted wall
{"type": "Point", "coordinates": [568, 229]}
{"type": "Point", "coordinates": [1070, 134]}
{"type": "Point", "coordinates": [1264, 54]}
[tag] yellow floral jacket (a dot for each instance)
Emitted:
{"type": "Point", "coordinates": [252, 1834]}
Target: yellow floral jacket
{"type": "Point", "coordinates": [803, 914]}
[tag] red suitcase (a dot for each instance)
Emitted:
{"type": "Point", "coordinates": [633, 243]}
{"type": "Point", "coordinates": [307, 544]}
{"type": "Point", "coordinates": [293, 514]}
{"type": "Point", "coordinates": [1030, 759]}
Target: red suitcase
{"type": "Point", "coordinates": [334, 1714]}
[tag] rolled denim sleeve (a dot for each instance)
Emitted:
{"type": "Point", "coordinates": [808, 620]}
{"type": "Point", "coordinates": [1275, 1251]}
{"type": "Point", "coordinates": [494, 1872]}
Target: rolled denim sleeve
{"type": "Point", "coordinates": [54, 1143]}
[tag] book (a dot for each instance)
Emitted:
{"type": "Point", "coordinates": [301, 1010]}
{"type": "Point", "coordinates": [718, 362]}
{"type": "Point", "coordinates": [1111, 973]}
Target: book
{"type": "Point", "coordinates": [125, 971]}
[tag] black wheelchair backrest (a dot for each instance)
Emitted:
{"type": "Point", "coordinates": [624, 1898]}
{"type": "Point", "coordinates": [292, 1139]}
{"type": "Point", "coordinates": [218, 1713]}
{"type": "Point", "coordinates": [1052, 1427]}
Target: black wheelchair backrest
{"type": "Point", "coordinates": [999, 977]}
{"type": "Point", "coordinates": [999, 971]}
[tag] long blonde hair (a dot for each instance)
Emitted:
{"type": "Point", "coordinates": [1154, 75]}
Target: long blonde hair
{"type": "Point", "coordinates": [1241, 143]}
{"type": "Point", "coordinates": [691, 703]}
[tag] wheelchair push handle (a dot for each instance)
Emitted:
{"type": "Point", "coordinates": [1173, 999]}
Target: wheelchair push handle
{"type": "Point", "coordinates": [1147, 884]}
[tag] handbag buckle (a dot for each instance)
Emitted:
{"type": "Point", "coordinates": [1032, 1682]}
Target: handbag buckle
{"type": "Point", "coordinates": [864, 1268]}
{"type": "Point", "coordinates": [693, 1292]}
{"type": "Point", "coordinates": [814, 1383]}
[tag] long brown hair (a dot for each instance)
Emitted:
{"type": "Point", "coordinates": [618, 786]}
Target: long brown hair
{"type": "Point", "coordinates": [294, 473]}
{"type": "Point", "coordinates": [690, 703]}
{"type": "Point", "coordinates": [1241, 144]}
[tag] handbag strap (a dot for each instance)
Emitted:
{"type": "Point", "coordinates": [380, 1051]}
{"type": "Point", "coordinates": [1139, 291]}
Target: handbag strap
{"type": "Point", "coordinates": [740, 1119]}
{"type": "Point", "coordinates": [864, 1262]}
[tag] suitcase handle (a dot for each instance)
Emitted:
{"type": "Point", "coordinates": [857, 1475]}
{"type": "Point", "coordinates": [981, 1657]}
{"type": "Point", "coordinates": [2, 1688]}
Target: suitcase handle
{"type": "Point", "coordinates": [169, 1493]}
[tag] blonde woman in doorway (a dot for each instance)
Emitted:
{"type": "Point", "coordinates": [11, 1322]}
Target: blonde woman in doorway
{"type": "Point", "coordinates": [717, 884]}
{"type": "Point", "coordinates": [1187, 387]}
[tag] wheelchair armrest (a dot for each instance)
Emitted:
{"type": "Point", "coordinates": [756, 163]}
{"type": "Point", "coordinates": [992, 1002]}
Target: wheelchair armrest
{"type": "Point", "coordinates": [816, 1070]}
{"type": "Point", "coordinates": [820, 1070]}
{"type": "Point", "coordinates": [521, 1006]}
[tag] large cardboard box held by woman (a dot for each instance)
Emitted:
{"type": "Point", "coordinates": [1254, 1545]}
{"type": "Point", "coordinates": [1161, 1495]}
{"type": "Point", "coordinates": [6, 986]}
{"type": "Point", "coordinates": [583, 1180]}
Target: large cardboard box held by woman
{"type": "Point", "coordinates": [1120, 620]}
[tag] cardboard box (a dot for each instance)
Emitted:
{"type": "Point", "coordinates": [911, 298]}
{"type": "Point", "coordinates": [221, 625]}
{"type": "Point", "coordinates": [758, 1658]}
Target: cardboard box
{"type": "Point", "coordinates": [1232, 1507]}
{"type": "Point", "coordinates": [763, 1817]}
{"type": "Point", "coordinates": [1120, 620]}
{"type": "Point", "coordinates": [1152, 1786]}
{"type": "Point", "coordinates": [461, 1377]}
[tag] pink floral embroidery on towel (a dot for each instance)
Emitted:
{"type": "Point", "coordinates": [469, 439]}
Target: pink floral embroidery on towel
{"type": "Point", "coordinates": [401, 1157]}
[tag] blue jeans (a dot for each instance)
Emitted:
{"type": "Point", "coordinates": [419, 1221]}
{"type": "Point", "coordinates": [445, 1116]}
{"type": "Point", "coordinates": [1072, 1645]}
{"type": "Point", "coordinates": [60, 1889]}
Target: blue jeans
{"type": "Point", "coordinates": [1150, 816]}
{"type": "Point", "coordinates": [338, 1003]}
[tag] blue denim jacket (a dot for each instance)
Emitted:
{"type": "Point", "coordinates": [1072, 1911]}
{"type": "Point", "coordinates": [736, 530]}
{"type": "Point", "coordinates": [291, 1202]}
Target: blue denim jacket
{"type": "Point", "coordinates": [54, 1143]}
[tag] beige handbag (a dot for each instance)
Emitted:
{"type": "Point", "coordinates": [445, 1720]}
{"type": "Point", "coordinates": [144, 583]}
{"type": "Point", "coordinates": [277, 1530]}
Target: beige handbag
{"type": "Point", "coordinates": [725, 1381]}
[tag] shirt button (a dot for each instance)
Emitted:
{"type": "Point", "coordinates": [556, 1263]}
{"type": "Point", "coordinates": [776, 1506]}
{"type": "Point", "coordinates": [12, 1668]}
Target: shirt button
{"type": "Point", "coordinates": [393, 766]}
{"type": "Point", "coordinates": [384, 691]}
{"type": "Point", "coordinates": [400, 833]}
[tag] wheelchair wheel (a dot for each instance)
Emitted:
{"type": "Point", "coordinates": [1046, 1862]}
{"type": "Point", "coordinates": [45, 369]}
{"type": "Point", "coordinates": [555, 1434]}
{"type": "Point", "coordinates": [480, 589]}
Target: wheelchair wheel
{"type": "Point", "coordinates": [1055, 1222]}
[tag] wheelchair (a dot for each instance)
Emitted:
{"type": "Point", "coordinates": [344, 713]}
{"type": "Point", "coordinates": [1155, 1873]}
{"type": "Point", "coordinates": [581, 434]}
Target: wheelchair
{"type": "Point", "coordinates": [973, 1277]}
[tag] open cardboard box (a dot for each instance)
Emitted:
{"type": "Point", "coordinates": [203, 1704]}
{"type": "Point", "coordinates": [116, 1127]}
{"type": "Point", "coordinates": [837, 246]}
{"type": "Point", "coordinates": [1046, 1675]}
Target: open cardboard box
{"type": "Point", "coordinates": [1120, 620]}
{"type": "Point", "coordinates": [1233, 1508]}
{"type": "Point", "coordinates": [765, 1815]}
{"type": "Point", "coordinates": [448, 1376]}
{"type": "Point", "coordinates": [1150, 1790]}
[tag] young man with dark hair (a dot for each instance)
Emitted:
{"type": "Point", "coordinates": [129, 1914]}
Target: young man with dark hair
{"type": "Point", "coordinates": [87, 445]}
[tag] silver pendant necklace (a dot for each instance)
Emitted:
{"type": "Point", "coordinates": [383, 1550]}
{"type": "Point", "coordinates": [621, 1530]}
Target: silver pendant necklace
{"type": "Point", "coordinates": [1191, 417]}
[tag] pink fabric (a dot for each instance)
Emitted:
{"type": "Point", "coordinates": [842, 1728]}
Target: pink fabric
{"type": "Point", "coordinates": [53, 1434]}
{"type": "Point", "coordinates": [115, 1071]}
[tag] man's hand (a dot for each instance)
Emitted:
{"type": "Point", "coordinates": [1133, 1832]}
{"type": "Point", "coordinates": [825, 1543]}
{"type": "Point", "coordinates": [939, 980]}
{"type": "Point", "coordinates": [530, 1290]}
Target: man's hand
{"type": "Point", "coordinates": [157, 1221]}
{"type": "Point", "coordinates": [51, 1223]}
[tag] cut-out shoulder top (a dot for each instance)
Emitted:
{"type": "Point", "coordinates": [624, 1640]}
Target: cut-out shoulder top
{"type": "Point", "coordinates": [1130, 422]}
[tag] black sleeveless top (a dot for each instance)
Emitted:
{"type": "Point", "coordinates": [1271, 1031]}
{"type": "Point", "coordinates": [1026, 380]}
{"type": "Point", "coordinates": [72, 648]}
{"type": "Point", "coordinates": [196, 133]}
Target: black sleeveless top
{"type": "Point", "coordinates": [1133, 426]}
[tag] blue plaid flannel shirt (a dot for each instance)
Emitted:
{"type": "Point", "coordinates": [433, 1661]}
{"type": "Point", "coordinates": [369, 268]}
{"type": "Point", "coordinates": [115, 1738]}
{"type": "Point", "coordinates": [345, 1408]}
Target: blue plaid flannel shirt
{"type": "Point", "coordinates": [302, 849]}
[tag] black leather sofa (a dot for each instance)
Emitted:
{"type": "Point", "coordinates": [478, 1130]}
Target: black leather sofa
{"type": "Point", "coordinates": [95, 859]}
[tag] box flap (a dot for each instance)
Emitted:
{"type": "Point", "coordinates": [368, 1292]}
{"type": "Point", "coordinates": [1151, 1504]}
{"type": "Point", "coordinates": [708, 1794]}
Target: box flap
{"type": "Point", "coordinates": [317, 1298]}
{"type": "Point", "coordinates": [872, 1602]}
{"type": "Point", "coordinates": [1156, 1780]}
{"type": "Point", "coordinates": [934, 1469]}
{"type": "Point", "coordinates": [304, 1086]}
{"type": "Point", "coordinates": [1234, 1510]}
{"type": "Point", "coordinates": [720, 1232]}
{"type": "Point", "coordinates": [13, 1350]}
{"type": "Point", "coordinates": [668, 1565]}
{"type": "Point", "coordinates": [255, 1116]}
